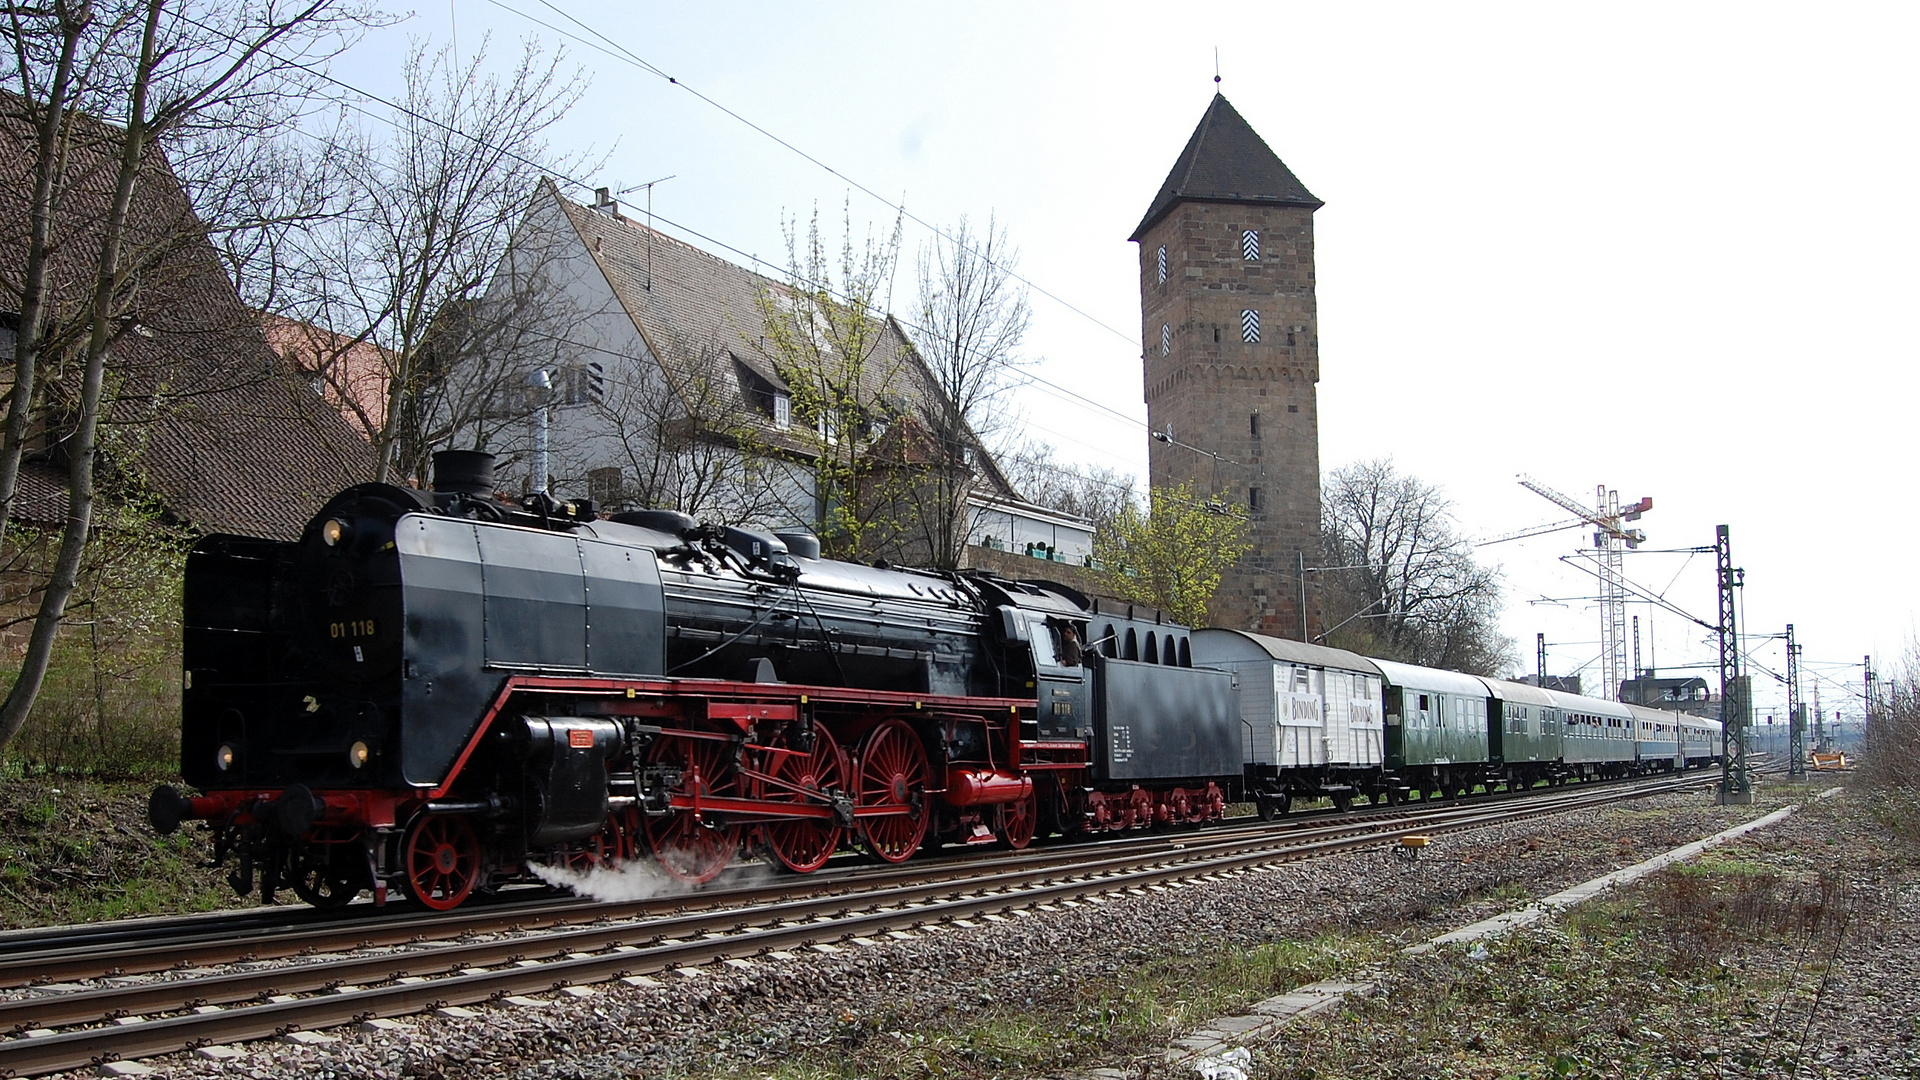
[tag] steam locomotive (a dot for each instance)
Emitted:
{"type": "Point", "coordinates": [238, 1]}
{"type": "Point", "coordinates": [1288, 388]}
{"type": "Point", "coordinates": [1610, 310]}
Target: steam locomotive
{"type": "Point", "coordinates": [438, 691]}
{"type": "Point", "coordinates": [444, 693]}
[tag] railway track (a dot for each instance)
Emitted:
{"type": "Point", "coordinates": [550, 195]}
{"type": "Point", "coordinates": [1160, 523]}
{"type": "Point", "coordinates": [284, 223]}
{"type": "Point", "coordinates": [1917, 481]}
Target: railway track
{"type": "Point", "coordinates": [353, 977]}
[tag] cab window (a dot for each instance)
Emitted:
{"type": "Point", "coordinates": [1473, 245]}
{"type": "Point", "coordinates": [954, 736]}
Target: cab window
{"type": "Point", "coordinates": [1044, 650]}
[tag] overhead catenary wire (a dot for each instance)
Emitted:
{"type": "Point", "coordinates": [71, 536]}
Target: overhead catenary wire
{"type": "Point", "coordinates": [621, 52]}
{"type": "Point", "coordinates": [1028, 378]}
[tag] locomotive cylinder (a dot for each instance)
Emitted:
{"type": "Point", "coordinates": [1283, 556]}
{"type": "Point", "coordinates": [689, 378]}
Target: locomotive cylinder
{"type": "Point", "coordinates": [985, 787]}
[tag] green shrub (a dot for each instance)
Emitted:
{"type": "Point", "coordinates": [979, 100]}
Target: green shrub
{"type": "Point", "coordinates": [110, 704]}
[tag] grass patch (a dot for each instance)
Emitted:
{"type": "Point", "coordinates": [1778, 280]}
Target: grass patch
{"type": "Point", "coordinates": [1066, 1022]}
{"type": "Point", "coordinates": [76, 851]}
{"type": "Point", "coordinates": [1708, 866]}
{"type": "Point", "coordinates": [1706, 971]}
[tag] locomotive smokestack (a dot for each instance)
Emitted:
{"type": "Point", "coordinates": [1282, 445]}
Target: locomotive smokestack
{"type": "Point", "coordinates": [469, 472]}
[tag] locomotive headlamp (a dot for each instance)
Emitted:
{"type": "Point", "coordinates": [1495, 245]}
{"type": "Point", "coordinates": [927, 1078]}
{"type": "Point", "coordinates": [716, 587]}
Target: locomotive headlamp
{"type": "Point", "coordinates": [334, 531]}
{"type": "Point", "coordinates": [358, 753]}
{"type": "Point", "coordinates": [223, 757]}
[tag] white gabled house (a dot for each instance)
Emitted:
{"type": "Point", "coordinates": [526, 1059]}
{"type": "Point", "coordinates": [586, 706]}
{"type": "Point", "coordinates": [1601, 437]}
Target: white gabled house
{"type": "Point", "coordinates": [666, 395]}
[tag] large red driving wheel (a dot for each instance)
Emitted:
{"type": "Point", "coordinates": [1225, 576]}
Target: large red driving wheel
{"type": "Point", "coordinates": [892, 771]}
{"type": "Point", "coordinates": [442, 855]}
{"type": "Point", "coordinates": [806, 778]}
{"type": "Point", "coordinates": [1019, 820]}
{"type": "Point", "coordinates": [693, 846]}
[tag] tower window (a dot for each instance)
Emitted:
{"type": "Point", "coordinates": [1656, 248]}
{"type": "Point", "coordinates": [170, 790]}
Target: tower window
{"type": "Point", "coordinates": [1253, 424]}
{"type": "Point", "coordinates": [582, 385]}
{"type": "Point", "coordinates": [1253, 499]}
{"type": "Point", "coordinates": [1250, 326]}
{"type": "Point", "coordinates": [1166, 339]}
{"type": "Point", "coordinates": [1162, 260]}
{"type": "Point", "coordinates": [1250, 245]}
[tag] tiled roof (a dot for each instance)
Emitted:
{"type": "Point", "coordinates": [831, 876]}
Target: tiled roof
{"type": "Point", "coordinates": [1226, 161]}
{"type": "Point", "coordinates": [204, 414]}
{"type": "Point", "coordinates": [356, 371]}
{"type": "Point", "coordinates": [695, 307]}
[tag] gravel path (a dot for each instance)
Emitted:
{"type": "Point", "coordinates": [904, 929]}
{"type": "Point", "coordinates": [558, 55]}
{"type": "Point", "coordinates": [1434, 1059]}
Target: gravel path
{"type": "Point", "coordinates": [726, 1020]}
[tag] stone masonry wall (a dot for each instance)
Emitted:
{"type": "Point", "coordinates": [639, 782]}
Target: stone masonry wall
{"type": "Point", "coordinates": [1252, 406]}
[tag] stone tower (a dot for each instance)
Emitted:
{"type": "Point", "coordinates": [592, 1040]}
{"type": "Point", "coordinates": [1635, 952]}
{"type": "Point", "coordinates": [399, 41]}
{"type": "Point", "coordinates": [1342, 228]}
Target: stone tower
{"type": "Point", "coordinates": [1232, 358]}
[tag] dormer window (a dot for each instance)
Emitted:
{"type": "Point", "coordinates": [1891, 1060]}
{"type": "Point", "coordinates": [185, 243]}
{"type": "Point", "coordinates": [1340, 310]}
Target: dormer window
{"type": "Point", "coordinates": [763, 396]}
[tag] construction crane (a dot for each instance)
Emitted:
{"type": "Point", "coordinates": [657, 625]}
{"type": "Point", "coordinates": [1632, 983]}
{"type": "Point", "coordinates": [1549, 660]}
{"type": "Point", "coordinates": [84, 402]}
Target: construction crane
{"type": "Point", "coordinates": [1611, 539]}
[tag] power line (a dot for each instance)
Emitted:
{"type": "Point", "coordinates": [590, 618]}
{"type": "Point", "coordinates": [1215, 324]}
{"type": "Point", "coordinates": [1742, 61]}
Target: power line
{"type": "Point", "coordinates": [622, 53]}
{"type": "Point", "coordinates": [689, 230]}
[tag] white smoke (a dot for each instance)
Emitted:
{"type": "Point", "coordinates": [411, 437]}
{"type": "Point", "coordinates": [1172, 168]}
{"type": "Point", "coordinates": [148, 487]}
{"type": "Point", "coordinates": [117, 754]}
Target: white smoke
{"type": "Point", "coordinates": [637, 879]}
{"type": "Point", "coordinates": [641, 879]}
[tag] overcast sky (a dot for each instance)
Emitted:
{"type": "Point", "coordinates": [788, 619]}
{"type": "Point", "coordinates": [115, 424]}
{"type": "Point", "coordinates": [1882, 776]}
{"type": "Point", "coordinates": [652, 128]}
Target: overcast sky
{"type": "Point", "coordinates": [1667, 248]}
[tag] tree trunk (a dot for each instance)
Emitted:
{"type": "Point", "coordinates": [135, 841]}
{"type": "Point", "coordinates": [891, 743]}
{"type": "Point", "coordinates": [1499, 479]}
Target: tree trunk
{"type": "Point", "coordinates": [33, 291]}
{"type": "Point", "coordinates": [83, 443]}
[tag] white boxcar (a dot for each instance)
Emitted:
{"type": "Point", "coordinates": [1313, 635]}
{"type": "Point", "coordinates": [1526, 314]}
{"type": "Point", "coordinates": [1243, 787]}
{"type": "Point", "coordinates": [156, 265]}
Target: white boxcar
{"type": "Point", "coordinates": [1311, 714]}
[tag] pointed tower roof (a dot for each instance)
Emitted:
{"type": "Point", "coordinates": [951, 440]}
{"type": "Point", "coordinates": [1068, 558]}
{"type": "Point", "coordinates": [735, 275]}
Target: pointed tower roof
{"type": "Point", "coordinates": [1226, 161]}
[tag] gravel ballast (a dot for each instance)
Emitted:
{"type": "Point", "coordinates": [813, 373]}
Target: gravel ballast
{"type": "Point", "coordinates": [1058, 992]}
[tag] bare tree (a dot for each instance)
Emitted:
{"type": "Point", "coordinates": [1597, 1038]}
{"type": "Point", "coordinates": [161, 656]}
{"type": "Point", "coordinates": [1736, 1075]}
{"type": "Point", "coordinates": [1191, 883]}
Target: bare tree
{"type": "Point", "coordinates": [684, 433]}
{"type": "Point", "coordinates": [1094, 492]}
{"type": "Point", "coordinates": [102, 86]}
{"type": "Point", "coordinates": [1890, 767]}
{"type": "Point", "coordinates": [973, 315]}
{"type": "Point", "coordinates": [1402, 583]}
{"type": "Point", "coordinates": [404, 269]}
{"type": "Point", "coordinates": [850, 373]}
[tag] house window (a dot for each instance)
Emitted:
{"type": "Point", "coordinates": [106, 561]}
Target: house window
{"type": "Point", "coordinates": [1250, 245]}
{"type": "Point", "coordinates": [10, 323]}
{"type": "Point", "coordinates": [605, 487]}
{"type": "Point", "coordinates": [1162, 260]}
{"type": "Point", "coordinates": [782, 411]}
{"type": "Point", "coordinates": [1250, 326]}
{"type": "Point", "coordinates": [1166, 339]}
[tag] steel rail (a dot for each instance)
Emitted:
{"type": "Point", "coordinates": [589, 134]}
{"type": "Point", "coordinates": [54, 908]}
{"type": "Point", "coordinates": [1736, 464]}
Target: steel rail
{"type": "Point", "coordinates": [725, 934]}
{"type": "Point", "coordinates": [203, 946]}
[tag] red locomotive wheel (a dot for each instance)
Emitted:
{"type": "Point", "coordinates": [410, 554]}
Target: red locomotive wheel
{"type": "Point", "coordinates": [1018, 821]}
{"type": "Point", "coordinates": [611, 846]}
{"type": "Point", "coordinates": [804, 845]}
{"type": "Point", "coordinates": [442, 856]}
{"type": "Point", "coordinates": [693, 846]}
{"type": "Point", "coordinates": [892, 772]}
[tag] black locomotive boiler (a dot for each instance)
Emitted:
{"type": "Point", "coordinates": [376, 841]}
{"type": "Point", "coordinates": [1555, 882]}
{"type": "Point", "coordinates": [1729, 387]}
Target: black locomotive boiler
{"type": "Point", "coordinates": [438, 690]}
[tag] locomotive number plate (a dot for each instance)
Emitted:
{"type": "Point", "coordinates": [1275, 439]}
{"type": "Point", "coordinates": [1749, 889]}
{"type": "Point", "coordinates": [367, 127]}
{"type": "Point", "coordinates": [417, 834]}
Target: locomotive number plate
{"type": "Point", "coordinates": [354, 628]}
